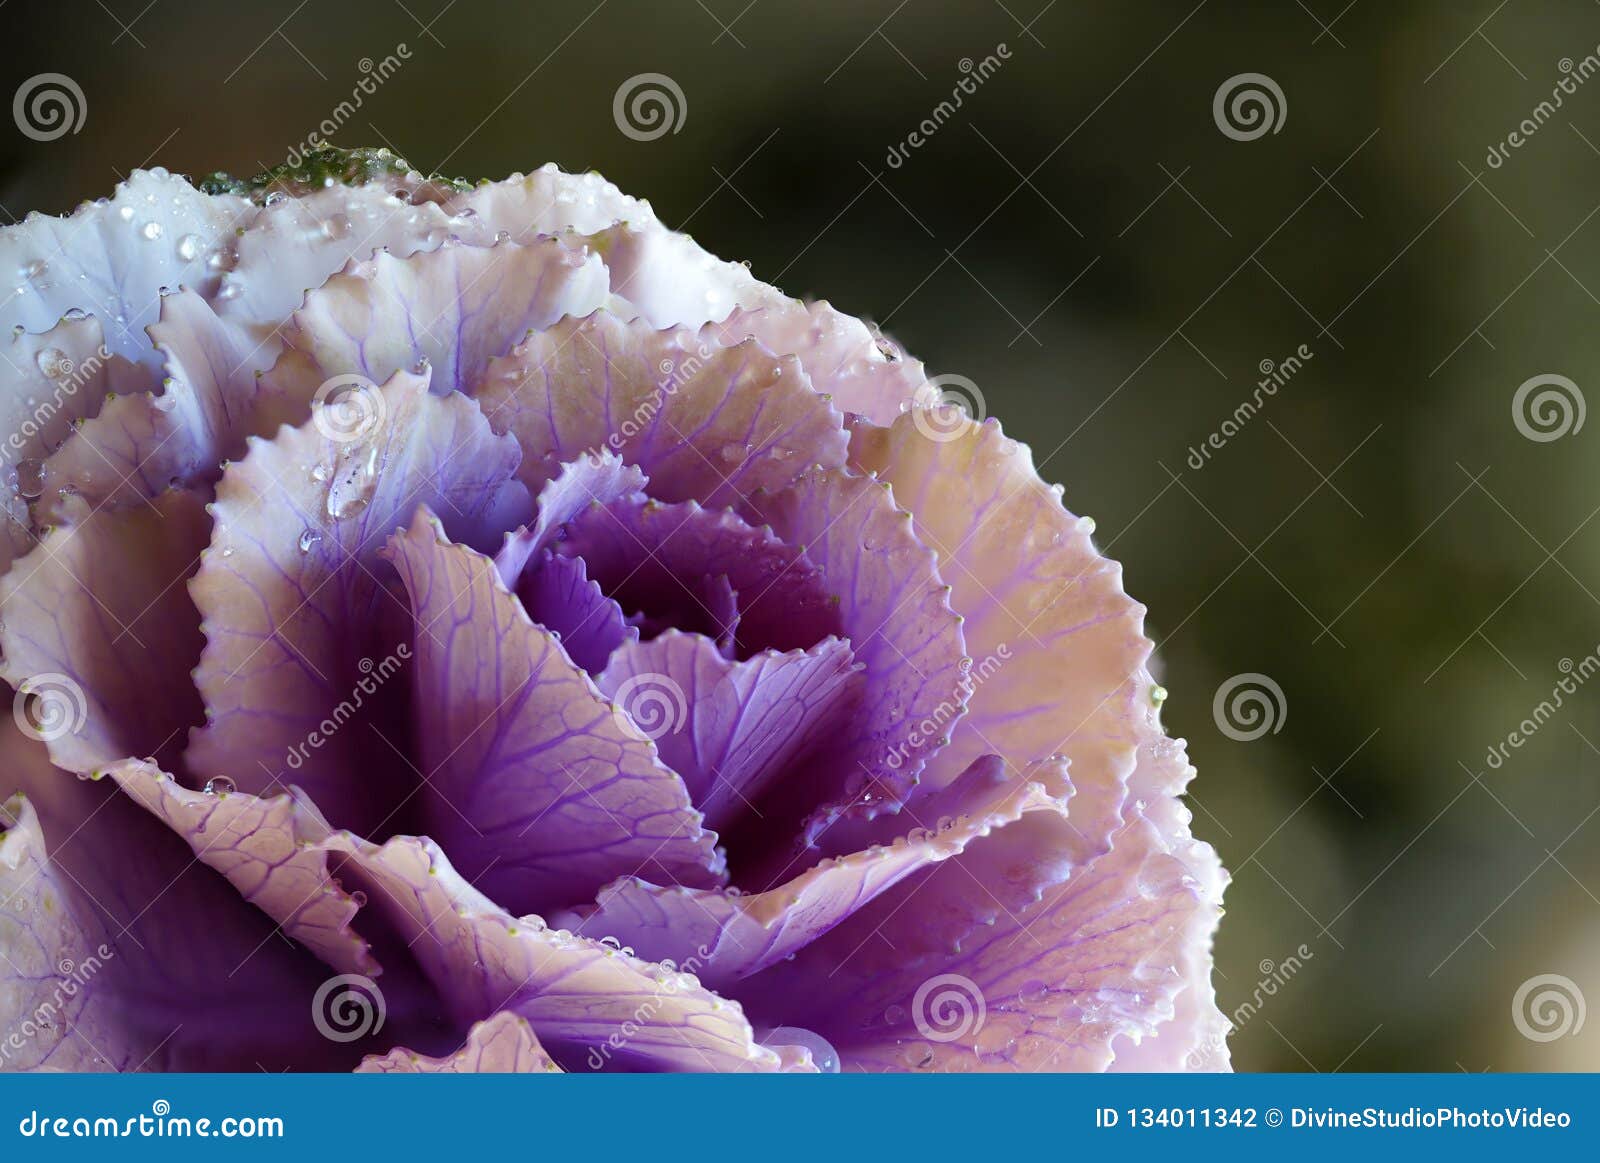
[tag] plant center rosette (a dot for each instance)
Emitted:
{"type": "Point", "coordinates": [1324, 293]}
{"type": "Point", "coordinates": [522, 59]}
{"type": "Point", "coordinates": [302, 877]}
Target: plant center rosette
{"type": "Point", "coordinates": [491, 633]}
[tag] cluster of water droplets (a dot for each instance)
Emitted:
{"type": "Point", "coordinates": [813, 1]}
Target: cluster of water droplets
{"type": "Point", "coordinates": [349, 478]}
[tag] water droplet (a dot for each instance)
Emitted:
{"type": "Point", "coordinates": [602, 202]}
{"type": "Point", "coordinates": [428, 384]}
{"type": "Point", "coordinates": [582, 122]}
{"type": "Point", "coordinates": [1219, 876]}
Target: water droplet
{"type": "Point", "coordinates": [30, 478]}
{"type": "Point", "coordinates": [993, 1039]}
{"type": "Point", "coordinates": [189, 247]}
{"type": "Point", "coordinates": [353, 483]}
{"type": "Point", "coordinates": [33, 269]}
{"type": "Point", "coordinates": [308, 540]}
{"type": "Point", "coordinates": [152, 230]}
{"type": "Point", "coordinates": [219, 785]}
{"type": "Point", "coordinates": [1158, 694]}
{"type": "Point", "coordinates": [359, 899]}
{"type": "Point", "coordinates": [823, 1055]}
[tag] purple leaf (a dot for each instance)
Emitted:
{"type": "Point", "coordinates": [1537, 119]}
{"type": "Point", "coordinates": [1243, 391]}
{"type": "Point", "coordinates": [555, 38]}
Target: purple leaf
{"type": "Point", "coordinates": [300, 612]}
{"type": "Point", "coordinates": [704, 422]}
{"type": "Point", "coordinates": [99, 627]}
{"type": "Point", "coordinates": [541, 788]}
{"type": "Point", "coordinates": [740, 725]}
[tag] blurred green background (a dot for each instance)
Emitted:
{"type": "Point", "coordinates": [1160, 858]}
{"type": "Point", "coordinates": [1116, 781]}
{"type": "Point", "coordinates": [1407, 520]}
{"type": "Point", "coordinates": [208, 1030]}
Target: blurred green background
{"type": "Point", "coordinates": [1082, 241]}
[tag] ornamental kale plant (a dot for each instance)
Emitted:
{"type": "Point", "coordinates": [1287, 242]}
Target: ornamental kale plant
{"type": "Point", "coordinates": [465, 628]}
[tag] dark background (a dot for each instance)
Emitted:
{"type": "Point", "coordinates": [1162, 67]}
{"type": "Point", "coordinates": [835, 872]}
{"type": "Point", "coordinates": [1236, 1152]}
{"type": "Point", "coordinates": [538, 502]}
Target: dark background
{"type": "Point", "coordinates": [1083, 243]}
